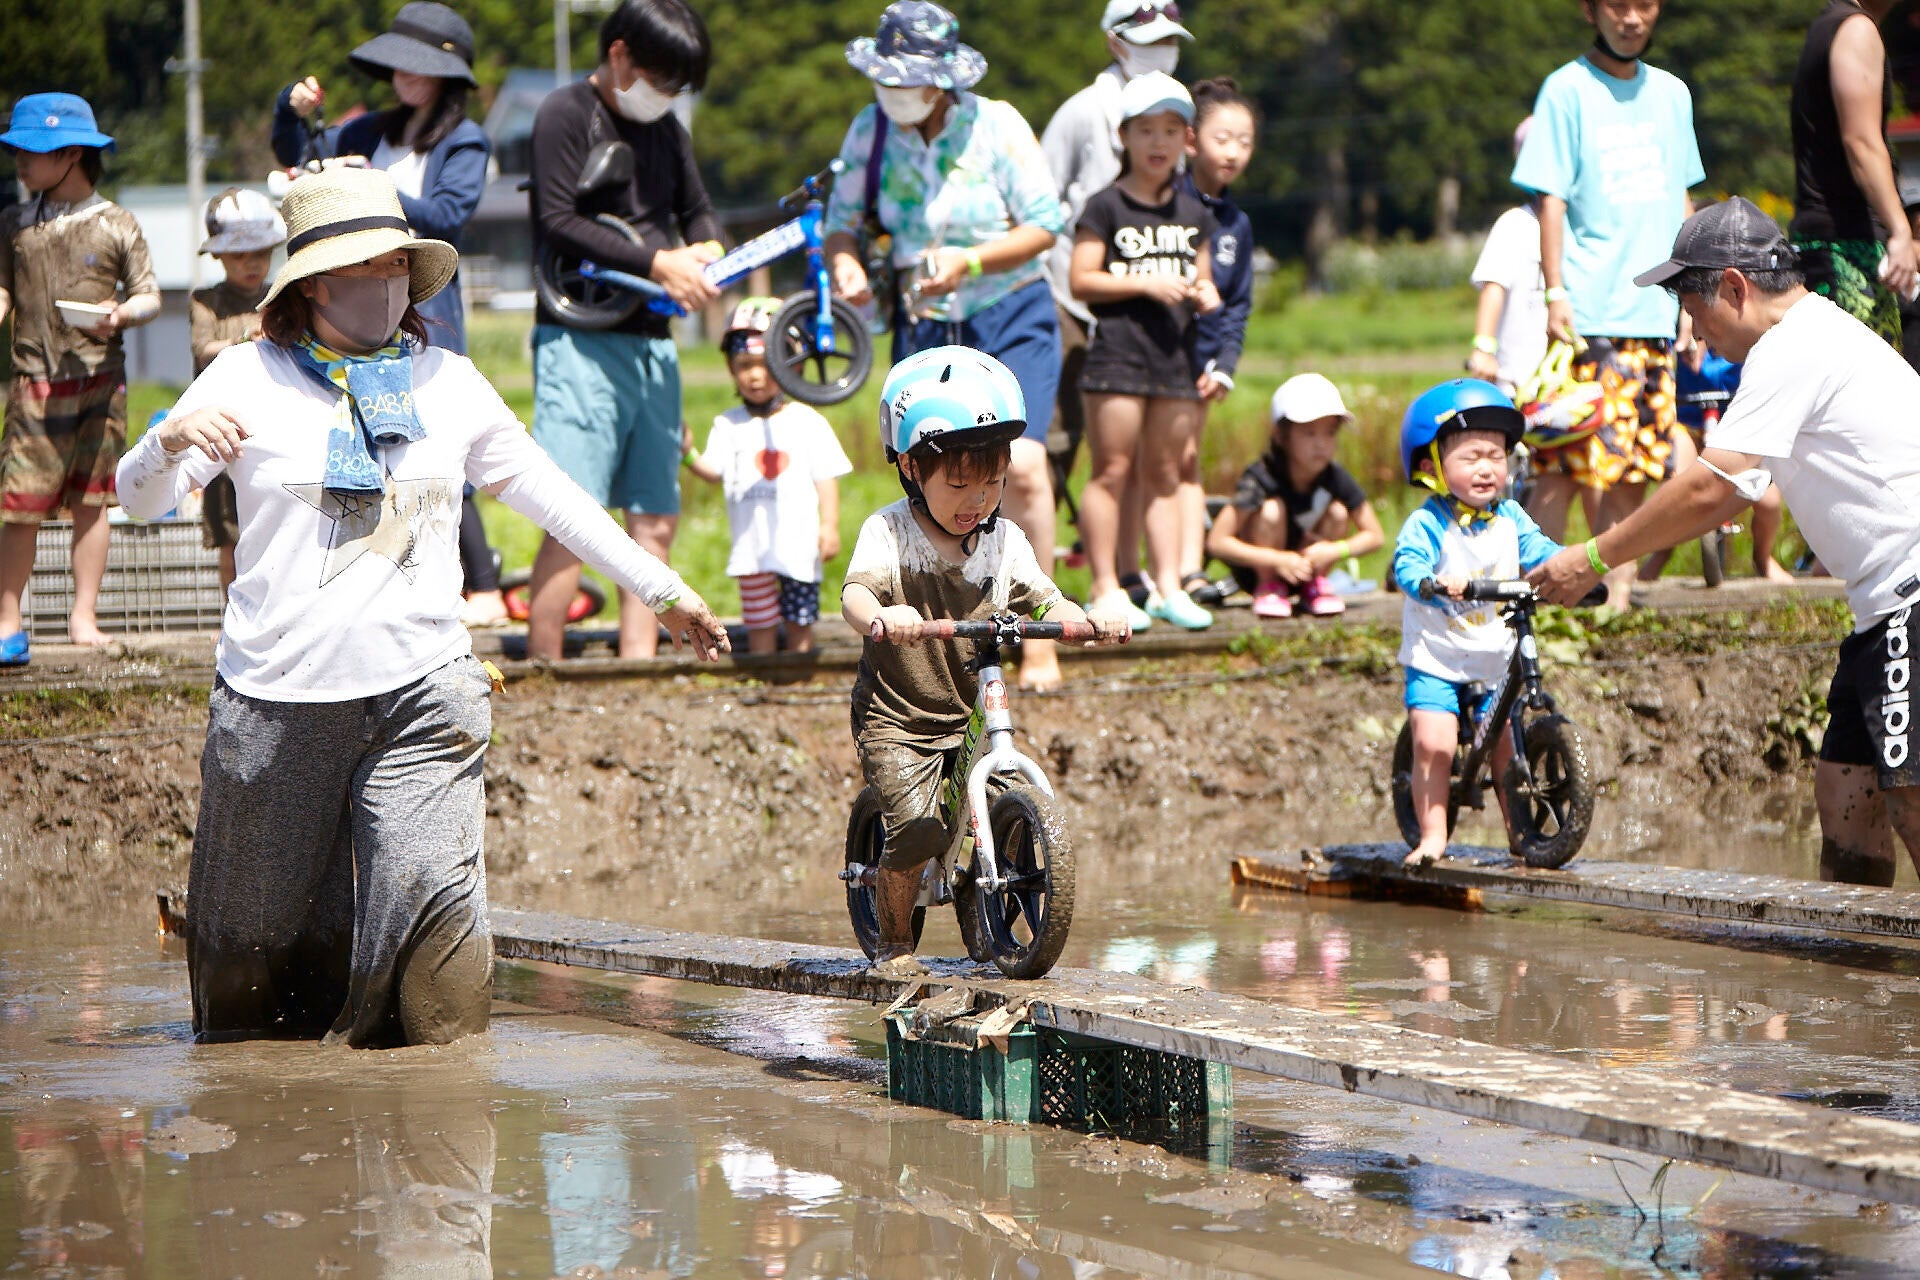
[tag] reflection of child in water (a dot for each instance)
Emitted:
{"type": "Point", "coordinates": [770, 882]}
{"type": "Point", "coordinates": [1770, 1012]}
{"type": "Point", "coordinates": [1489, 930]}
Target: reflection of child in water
{"type": "Point", "coordinates": [778, 463]}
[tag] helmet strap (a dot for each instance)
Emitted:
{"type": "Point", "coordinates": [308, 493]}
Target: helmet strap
{"type": "Point", "coordinates": [1465, 516]}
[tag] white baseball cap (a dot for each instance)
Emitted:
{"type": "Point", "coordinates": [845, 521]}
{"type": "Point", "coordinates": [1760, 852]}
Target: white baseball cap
{"type": "Point", "coordinates": [1143, 21]}
{"type": "Point", "coordinates": [1306, 397]}
{"type": "Point", "coordinates": [1154, 92]}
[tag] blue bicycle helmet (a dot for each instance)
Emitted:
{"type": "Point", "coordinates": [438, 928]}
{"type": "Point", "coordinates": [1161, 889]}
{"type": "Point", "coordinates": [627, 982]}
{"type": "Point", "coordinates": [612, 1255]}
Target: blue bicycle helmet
{"type": "Point", "coordinates": [1461, 404]}
{"type": "Point", "coordinates": [947, 398]}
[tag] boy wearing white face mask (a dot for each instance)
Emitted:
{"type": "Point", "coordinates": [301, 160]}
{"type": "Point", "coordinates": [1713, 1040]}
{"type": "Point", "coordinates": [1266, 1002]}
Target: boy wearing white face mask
{"type": "Point", "coordinates": [607, 402]}
{"type": "Point", "coordinates": [1082, 146]}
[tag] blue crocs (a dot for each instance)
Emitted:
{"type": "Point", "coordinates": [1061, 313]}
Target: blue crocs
{"type": "Point", "coordinates": [13, 650]}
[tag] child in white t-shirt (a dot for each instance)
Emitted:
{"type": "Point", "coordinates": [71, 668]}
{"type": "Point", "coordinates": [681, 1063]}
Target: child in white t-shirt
{"type": "Point", "coordinates": [778, 464]}
{"type": "Point", "coordinates": [1510, 326]}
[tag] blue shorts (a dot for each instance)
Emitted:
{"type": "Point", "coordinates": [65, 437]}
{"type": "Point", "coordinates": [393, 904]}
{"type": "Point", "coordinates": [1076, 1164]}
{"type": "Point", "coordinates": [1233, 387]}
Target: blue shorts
{"type": "Point", "coordinates": [1431, 693]}
{"type": "Point", "coordinates": [1021, 331]}
{"type": "Point", "coordinates": [606, 407]}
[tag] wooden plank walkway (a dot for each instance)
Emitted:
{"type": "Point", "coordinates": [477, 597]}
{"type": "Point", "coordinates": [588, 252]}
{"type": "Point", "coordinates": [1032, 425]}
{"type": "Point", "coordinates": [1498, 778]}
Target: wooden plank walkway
{"type": "Point", "coordinates": [1628, 1108]}
{"type": "Point", "coordinates": [1376, 870]}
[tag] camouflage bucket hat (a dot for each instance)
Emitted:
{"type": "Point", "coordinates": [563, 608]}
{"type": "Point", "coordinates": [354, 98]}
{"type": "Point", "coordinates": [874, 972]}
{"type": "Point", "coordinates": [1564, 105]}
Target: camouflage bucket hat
{"type": "Point", "coordinates": [918, 44]}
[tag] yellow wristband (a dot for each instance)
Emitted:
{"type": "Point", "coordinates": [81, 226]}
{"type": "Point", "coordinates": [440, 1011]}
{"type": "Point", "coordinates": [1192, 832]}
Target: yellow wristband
{"type": "Point", "coordinates": [1594, 561]}
{"type": "Point", "coordinates": [975, 268]}
{"type": "Point", "coordinates": [1345, 548]}
{"type": "Point", "coordinates": [1486, 345]}
{"type": "Point", "coordinates": [1557, 293]}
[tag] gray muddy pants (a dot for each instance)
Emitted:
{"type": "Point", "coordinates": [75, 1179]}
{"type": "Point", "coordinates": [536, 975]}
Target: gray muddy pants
{"type": "Point", "coordinates": [338, 883]}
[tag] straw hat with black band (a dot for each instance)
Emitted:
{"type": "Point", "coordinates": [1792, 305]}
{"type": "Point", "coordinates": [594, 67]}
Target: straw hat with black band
{"type": "Point", "coordinates": [426, 39]}
{"type": "Point", "coordinates": [343, 217]}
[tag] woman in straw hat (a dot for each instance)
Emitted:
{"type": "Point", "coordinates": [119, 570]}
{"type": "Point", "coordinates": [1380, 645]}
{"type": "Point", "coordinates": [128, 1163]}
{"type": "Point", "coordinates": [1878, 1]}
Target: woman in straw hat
{"type": "Point", "coordinates": [338, 884]}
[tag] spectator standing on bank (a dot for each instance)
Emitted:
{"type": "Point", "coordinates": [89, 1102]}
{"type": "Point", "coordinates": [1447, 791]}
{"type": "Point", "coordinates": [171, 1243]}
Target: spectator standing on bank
{"type": "Point", "coordinates": [1510, 325]}
{"type": "Point", "coordinates": [606, 403]}
{"type": "Point", "coordinates": [1082, 146]}
{"type": "Point", "coordinates": [66, 420]}
{"type": "Point", "coordinates": [964, 191]}
{"type": "Point", "coordinates": [437, 159]}
{"type": "Point", "coordinates": [1855, 242]}
{"type": "Point", "coordinates": [1611, 155]}
{"type": "Point", "coordinates": [243, 229]}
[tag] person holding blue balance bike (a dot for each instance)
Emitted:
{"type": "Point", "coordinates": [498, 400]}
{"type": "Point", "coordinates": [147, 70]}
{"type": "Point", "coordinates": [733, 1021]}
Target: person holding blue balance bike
{"type": "Point", "coordinates": [1474, 694]}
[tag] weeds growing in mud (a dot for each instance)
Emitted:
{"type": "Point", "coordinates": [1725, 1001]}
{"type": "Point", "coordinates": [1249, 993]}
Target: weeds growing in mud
{"type": "Point", "coordinates": [51, 712]}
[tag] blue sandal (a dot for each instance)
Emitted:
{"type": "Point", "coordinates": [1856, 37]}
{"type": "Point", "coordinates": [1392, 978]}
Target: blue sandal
{"type": "Point", "coordinates": [13, 650]}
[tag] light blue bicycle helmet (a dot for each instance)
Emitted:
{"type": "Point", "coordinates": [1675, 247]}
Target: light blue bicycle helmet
{"type": "Point", "coordinates": [947, 398]}
{"type": "Point", "coordinates": [1460, 404]}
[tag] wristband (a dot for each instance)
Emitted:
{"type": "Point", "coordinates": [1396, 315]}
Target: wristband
{"type": "Point", "coordinates": [1594, 561]}
{"type": "Point", "coordinates": [1486, 345]}
{"type": "Point", "coordinates": [686, 458]}
{"type": "Point", "coordinates": [1345, 547]}
{"type": "Point", "coordinates": [1557, 293]}
{"type": "Point", "coordinates": [975, 269]}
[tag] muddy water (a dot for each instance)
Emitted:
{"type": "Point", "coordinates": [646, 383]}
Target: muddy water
{"type": "Point", "coordinates": [651, 1129]}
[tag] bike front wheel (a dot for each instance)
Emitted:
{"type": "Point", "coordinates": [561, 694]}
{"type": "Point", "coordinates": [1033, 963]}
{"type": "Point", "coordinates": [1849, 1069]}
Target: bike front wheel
{"type": "Point", "coordinates": [1025, 924]}
{"type": "Point", "coordinates": [867, 845]}
{"type": "Point", "coordinates": [818, 377]}
{"type": "Point", "coordinates": [1550, 811]}
{"type": "Point", "coordinates": [1404, 815]}
{"type": "Point", "coordinates": [573, 298]}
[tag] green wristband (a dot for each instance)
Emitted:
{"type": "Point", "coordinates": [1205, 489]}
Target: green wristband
{"type": "Point", "coordinates": [1599, 566]}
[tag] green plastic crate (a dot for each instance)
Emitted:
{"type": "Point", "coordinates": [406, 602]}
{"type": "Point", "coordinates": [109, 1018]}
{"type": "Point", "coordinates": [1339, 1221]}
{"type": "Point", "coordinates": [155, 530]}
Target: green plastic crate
{"type": "Point", "coordinates": [1052, 1077]}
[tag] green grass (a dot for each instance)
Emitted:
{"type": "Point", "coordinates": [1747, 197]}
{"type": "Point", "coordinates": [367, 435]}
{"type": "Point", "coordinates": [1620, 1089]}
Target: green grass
{"type": "Point", "coordinates": [1382, 349]}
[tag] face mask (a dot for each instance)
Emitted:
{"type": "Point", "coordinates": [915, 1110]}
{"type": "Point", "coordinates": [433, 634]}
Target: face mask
{"type": "Point", "coordinates": [365, 309]}
{"type": "Point", "coordinates": [642, 102]}
{"type": "Point", "coordinates": [1140, 60]}
{"type": "Point", "coordinates": [905, 107]}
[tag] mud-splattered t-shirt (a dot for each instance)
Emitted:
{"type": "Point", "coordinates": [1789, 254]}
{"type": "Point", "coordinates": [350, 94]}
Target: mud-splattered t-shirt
{"type": "Point", "coordinates": [221, 313]}
{"type": "Point", "coordinates": [922, 693]}
{"type": "Point", "coordinates": [89, 251]}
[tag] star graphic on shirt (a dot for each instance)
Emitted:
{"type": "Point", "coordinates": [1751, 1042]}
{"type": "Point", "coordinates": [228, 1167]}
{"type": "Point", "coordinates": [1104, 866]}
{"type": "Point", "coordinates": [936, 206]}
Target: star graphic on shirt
{"type": "Point", "coordinates": [391, 526]}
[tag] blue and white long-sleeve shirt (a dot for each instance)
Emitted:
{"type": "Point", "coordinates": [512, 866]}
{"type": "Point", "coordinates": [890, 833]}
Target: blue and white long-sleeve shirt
{"type": "Point", "coordinates": [1219, 335]}
{"type": "Point", "coordinates": [1461, 640]}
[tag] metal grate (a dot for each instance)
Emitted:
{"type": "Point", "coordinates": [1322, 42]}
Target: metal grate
{"type": "Point", "coordinates": [159, 578]}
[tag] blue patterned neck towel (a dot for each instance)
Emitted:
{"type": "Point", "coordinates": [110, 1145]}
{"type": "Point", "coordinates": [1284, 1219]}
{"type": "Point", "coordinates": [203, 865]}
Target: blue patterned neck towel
{"type": "Point", "coordinates": [376, 409]}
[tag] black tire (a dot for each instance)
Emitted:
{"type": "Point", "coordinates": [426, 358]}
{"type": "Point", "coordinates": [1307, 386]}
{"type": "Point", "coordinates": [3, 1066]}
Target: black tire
{"type": "Point", "coordinates": [1025, 925]}
{"type": "Point", "coordinates": [866, 845]}
{"type": "Point", "coordinates": [1403, 814]}
{"type": "Point", "coordinates": [1550, 818]}
{"type": "Point", "coordinates": [1713, 558]}
{"type": "Point", "coordinates": [810, 377]}
{"type": "Point", "coordinates": [573, 299]}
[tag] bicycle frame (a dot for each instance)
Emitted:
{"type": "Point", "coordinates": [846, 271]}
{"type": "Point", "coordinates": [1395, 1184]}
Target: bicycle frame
{"type": "Point", "coordinates": [994, 720]}
{"type": "Point", "coordinates": [1520, 689]}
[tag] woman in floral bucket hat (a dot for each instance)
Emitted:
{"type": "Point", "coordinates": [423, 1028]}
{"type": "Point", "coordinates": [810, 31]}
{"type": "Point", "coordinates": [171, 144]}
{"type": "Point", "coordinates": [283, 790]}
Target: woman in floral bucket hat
{"type": "Point", "coordinates": [338, 884]}
{"type": "Point", "coordinates": [959, 183]}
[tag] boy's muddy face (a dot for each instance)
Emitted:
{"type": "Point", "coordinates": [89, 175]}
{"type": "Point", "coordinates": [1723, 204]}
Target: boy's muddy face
{"type": "Point", "coordinates": [1474, 466]}
{"type": "Point", "coordinates": [42, 171]}
{"type": "Point", "coordinates": [959, 501]}
{"type": "Point", "coordinates": [751, 378]}
{"type": "Point", "coordinates": [246, 271]}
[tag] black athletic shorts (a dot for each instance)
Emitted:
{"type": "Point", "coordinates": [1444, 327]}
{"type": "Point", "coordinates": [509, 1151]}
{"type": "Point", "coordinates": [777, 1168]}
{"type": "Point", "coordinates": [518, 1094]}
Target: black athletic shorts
{"type": "Point", "coordinates": [1870, 703]}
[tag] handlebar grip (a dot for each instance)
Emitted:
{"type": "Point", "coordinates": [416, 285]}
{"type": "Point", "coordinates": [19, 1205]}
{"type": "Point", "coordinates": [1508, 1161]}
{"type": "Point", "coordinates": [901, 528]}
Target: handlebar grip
{"type": "Point", "coordinates": [1482, 589]}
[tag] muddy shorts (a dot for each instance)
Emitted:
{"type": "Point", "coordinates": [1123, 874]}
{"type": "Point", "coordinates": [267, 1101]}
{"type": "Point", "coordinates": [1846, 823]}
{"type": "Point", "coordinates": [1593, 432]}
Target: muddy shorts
{"type": "Point", "coordinates": [767, 598]}
{"type": "Point", "coordinates": [300, 799]}
{"type": "Point", "coordinates": [62, 442]}
{"type": "Point", "coordinates": [1870, 704]}
{"type": "Point", "coordinates": [908, 779]}
{"type": "Point", "coordinates": [219, 513]}
{"type": "Point", "coordinates": [1636, 435]}
{"type": "Point", "coordinates": [1847, 273]}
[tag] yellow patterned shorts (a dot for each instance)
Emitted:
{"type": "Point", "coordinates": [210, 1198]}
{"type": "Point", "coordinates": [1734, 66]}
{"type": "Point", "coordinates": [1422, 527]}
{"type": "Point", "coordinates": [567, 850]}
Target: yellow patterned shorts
{"type": "Point", "coordinates": [1636, 436]}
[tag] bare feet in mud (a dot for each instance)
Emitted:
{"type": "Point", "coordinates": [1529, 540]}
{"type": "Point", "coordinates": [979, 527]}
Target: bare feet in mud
{"type": "Point", "coordinates": [1039, 667]}
{"type": "Point", "coordinates": [897, 968]}
{"type": "Point", "coordinates": [1425, 854]}
{"type": "Point", "coordinates": [1774, 571]}
{"type": "Point", "coordinates": [85, 631]}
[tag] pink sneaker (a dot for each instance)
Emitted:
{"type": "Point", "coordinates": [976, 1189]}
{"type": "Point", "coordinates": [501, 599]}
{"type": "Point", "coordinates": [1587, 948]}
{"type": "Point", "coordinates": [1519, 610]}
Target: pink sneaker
{"type": "Point", "coordinates": [1270, 600]}
{"type": "Point", "coordinates": [1320, 599]}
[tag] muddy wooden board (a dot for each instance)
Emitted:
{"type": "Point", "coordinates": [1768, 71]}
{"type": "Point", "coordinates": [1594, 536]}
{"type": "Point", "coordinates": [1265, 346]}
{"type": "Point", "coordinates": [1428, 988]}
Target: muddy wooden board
{"type": "Point", "coordinates": [1634, 1109]}
{"type": "Point", "coordinates": [1376, 870]}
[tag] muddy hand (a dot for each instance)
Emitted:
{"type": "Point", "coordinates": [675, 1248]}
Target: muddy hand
{"type": "Point", "coordinates": [215, 432]}
{"type": "Point", "coordinates": [692, 622]}
{"type": "Point", "coordinates": [898, 623]}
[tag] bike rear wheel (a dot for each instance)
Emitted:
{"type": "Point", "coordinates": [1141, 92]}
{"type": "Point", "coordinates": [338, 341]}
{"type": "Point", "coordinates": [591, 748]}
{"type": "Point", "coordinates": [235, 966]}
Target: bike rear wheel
{"type": "Point", "coordinates": [1713, 558]}
{"type": "Point", "coordinates": [1025, 924]}
{"type": "Point", "coordinates": [818, 377]}
{"type": "Point", "coordinates": [1550, 814]}
{"type": "Point", "coordinates": [1403, 812]}
{"type": "Point", "coordinates": [571, 297]}
{"type": "Point", "coordinates": [516, 589]}
{"type": "Point", "coordinates": [867, 845]}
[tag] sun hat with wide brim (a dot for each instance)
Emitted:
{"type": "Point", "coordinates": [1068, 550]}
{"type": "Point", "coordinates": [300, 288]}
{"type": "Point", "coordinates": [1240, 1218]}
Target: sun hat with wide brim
{"type": "Point", "coordinates": [342, 217]}
{"type": "Point", "coordinates": [44, 122]}
{"type": "Point", "coordinates": [918, 45]}
{"type": "Point", "coordinates": [425, 39]}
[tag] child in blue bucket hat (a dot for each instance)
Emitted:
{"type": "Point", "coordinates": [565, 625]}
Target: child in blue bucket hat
{"type": "Point", "coordinates": [74, 274]}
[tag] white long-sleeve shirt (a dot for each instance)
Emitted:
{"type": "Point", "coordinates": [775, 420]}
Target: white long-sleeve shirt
{"type": "Point", "coordinates": [345, 597]}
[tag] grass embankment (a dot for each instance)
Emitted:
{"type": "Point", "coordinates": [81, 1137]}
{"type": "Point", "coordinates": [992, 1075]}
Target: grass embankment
{"type": "Point", "coordinates": [1381, 348]}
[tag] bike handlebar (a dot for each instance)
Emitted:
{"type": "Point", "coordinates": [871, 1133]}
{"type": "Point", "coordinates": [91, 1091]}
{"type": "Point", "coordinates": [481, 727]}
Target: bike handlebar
{"type": "Point", "coordinates": [1002, 630]}
{"type": "Point", "coordinates": [813, 187]}
{"type": "Point", "coordinates": [1508, 589]}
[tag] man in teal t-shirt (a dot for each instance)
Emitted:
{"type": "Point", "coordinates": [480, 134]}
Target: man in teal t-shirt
{"type": "Point", "coordinates": [1611, 155]}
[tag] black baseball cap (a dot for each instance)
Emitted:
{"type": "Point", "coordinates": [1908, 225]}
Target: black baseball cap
{"type": "Point", "coordinates": [1734, 233]}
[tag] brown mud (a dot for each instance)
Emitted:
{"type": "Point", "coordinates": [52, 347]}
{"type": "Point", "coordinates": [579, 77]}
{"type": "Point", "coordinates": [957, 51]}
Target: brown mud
{"type": "Point", "coordinates": [690, 793]}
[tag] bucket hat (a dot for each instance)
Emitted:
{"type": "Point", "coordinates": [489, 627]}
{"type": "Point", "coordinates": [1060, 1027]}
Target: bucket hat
{"type": "Point", "coordinates": [44, 122]}
{"type": "Point", "coordinates": [426, 39]}
{"type": "Point", "coordinates": [1143, 21]}
{"type": "Point", "coordinates": [243, 221]}
{"type": "Point", "coordinates": [918, 44]}
{"type": "Point", "coordinates": [340, 217]}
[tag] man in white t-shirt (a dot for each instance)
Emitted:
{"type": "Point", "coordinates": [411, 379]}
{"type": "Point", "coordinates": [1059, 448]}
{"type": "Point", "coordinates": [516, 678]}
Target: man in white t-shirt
{"type": "Point", "coordinates": [1827, 405]}
{"type": "Point", "coordinates": [1510, 327]}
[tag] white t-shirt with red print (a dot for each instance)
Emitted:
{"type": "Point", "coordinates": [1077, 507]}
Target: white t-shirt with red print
{"type": "Point", "coordinates": [769, 467]}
